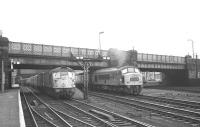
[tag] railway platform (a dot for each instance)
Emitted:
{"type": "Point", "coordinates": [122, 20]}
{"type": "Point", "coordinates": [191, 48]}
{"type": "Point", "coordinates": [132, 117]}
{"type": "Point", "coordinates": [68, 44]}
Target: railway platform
{"type": "Point", "coordinates": [11, 113]}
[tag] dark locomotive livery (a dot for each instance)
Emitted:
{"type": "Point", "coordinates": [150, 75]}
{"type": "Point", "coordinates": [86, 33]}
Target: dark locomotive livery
{"type": "Point", "coordinates": [59, 82]}
{"type": "Point", "coordinates": [126, 79]}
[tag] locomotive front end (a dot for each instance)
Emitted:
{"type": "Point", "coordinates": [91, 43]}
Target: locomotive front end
{"type": "Point", "coordinates": [63, 80]}
{"type": "Point", "coordinates": [64, 83]}
{"type": "Point", "coordinates": [132, 79]}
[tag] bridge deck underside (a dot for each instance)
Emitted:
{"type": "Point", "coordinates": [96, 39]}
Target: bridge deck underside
{"type": "Point", "coordinates": [37, 54]}
{"type": "Point", "coordinates": [160, 66]}
{"type": "Point", "coordinates": [28, 62]}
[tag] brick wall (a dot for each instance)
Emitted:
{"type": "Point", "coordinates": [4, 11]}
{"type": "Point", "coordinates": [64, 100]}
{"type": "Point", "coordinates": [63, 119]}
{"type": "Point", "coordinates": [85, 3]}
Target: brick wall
{"type": "Point", "coordinates": [4, 57]}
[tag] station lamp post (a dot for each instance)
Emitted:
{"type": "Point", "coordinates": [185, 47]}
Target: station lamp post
{"type": "Point", "coordinates": [100, 42]}
{"type": "Point", "coordinates": [192, 47]}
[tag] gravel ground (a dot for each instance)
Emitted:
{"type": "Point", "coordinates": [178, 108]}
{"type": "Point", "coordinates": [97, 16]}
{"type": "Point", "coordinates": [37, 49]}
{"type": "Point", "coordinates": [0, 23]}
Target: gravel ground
{"type": "Point", "coordinates": [141, 115]}
{"type": "Point", "coordinates": [172, 94]}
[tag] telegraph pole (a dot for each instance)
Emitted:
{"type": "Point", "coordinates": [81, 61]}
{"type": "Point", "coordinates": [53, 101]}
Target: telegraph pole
{"type": "Point", "coordinates": [86, 66]}
{"type": "Point", "coordinates": [100, 42]}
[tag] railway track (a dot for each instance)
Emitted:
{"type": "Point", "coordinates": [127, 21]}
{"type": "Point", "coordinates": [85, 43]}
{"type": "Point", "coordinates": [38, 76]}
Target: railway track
{"type": "Point", "coordinates": [27, 113]}
{"type": "Point", "coordinates": [178, 102]}
{"type": "Point", "coordinates": [179, 89]}
{"type": "Point", "coordinates": [94, 115]}
{"type": "Point", "coordinates": [177, 113]}
{"type": "Point", "coordinates": [75, 112]}
{"type": "Point", "coordinates": [56, 117]}
{"type": "Point", "coordinates": [114, 118]}
{"type": "Point", "coordinates": [32, 118]}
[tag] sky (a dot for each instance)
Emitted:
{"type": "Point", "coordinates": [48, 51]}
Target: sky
{"type": "Point", "coordinates": [164, 27]}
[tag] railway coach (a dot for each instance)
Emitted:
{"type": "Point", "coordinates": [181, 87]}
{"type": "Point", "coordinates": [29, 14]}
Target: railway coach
{"type": "Point", "coordinates": [58, 82]}
{"type": "Point", "coordinates": [126, 79]}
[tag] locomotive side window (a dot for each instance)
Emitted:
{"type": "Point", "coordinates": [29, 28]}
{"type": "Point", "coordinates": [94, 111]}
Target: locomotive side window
{"type": "Point", "coordinates": [104, 77]}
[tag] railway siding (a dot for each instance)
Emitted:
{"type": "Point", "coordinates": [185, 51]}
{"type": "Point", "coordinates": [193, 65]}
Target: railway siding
{"type": "Point", "coordinates": [172, 112]}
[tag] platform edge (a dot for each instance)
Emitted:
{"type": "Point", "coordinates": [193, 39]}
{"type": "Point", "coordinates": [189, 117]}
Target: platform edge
{"type": "Point", "coordinates": [21, 113]}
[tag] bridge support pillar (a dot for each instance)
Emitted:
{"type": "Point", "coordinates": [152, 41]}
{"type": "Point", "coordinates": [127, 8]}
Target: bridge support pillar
{"type": "Point", "coordinates": [193, 71]}
{"type": "Point", "coordinates": [4, 64]}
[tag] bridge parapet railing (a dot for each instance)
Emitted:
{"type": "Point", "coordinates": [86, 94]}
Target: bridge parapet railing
{"type": "Point", "coordinates": [160, 58]}
{"type": "Point", "coordinates": [60, 51]}
{"type": "Point", "coordinates": [49, 50]}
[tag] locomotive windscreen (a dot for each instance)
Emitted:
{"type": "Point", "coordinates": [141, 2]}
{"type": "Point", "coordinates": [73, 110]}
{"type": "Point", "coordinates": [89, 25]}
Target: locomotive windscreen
{"type": "Point", "coordinates": [63, 79]}
{"type": "Point", "coordinates": [130, 70]}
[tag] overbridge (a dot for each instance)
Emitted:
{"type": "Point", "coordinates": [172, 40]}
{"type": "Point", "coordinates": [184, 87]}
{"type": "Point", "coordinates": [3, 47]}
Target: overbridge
{"type": "Point", "coordinates": [179, 70]}
{"type": "Point", "coordinates": [24, 54]}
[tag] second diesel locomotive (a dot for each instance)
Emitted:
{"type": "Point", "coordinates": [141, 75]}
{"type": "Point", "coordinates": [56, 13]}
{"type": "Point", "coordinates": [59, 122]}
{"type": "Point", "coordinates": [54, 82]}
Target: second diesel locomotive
{"type": "Point", "coordinates": [58, 82]}
{"type": "Point", "coordinates": [126, 79]}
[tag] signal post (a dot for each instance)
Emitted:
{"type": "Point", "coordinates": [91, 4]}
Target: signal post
{"type": "Point", "coordinates": [85, 65]}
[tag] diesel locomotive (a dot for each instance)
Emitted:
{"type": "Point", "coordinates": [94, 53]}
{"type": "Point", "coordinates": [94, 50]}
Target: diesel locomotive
{"type": "Point", "coordinates": [58, 82]}
{"type": "Point", "coordinates": [125, 79]}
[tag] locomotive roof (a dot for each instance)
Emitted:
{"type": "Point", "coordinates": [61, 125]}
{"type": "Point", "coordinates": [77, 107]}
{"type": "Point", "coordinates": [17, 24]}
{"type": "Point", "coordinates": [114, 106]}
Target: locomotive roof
{"type": "Point", "coordinates": [62, 68]}
{"type": "Point", "coordinates": [112, 69]}
{"type": "Point", "coordinates": [107, 70]}
{"type": "Point", "coordinates": [54, 70]}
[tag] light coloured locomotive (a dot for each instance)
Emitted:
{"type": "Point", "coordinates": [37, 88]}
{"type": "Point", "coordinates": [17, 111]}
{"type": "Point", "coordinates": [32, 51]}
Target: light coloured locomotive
{"type": "Point", "coordinates": [58, 82]}
{"type": "Point", "coordinates": [126, 79]}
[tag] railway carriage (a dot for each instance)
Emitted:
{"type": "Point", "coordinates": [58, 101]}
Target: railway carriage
{"type": "Point", "coordinates": [126, 79]}
{"type": "Point", "coordinates": [58, 82]}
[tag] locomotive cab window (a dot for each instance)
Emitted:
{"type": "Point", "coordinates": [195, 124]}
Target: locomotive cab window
{"type": "Point", "coordinates": [130, 69]}
{"type": "Point", "coordinates": [137, 70]}
{"type": "Point", "coordinates": [124, 71]}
